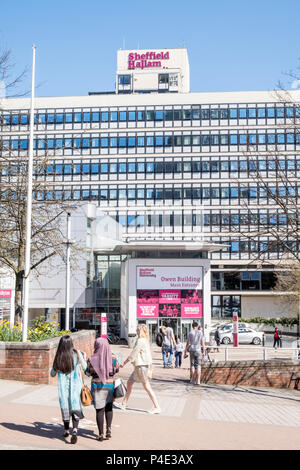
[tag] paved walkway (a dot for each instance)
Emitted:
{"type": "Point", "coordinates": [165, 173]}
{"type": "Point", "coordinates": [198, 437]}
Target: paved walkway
{"type": "Point", "coordinates": [206, 417]}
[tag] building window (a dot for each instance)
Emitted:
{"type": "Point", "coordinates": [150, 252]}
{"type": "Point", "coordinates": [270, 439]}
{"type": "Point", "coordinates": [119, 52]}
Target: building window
{"type": "Point", "coordinates": [224, 306]}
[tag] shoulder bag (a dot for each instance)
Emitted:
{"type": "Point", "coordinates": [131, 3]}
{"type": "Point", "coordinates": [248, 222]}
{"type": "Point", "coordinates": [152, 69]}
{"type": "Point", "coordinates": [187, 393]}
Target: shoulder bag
{"type": "Point", "coordinates": [119, 389]}
{"type": "Point", "coordinates": [85, 394]}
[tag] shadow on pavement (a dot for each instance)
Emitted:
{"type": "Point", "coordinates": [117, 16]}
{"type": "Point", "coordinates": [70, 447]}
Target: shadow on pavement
{"type": "Point", "coordinates": [48, 431]}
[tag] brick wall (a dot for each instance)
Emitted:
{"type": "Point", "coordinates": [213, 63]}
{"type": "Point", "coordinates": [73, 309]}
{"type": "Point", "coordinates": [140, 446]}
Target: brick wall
{"type": "Point", "coordinates": [32, 362]}
{"type": "Point", "coordinates": [276, 374]}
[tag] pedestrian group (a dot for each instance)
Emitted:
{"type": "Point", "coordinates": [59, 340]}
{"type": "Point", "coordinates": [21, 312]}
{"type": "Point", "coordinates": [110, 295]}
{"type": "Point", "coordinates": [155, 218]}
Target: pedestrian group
{"type": "Point", "coordinates": [70, 366]}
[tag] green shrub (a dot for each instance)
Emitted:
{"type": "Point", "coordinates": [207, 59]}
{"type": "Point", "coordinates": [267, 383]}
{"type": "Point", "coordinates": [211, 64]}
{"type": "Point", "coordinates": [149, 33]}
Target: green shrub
{"type": "Point", "coordinates": [40, 331]}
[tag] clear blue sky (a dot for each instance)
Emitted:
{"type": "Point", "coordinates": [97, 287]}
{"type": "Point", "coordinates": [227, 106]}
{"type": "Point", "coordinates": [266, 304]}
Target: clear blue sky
{"type": "Point", "coordinates": [232, 44]}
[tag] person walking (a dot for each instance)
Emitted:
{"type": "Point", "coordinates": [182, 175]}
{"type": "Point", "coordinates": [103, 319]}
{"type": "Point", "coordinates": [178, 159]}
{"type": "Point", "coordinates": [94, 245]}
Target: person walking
{"type": "Point", "coordinates": [217, 339]}
{"type": "Point", "coordinates": [141, 359]}
{"type": "Point", "coordinates": [102, 366]}
{"type": "Point", "coordinates": [168, 345]}
{"type": "Point", "coordinates": [66, 365]}
{"type": "Point", "coordinates": [178, 352]}
{"type": "Point", "coordinates": [193, 346]}
{"type": "Point", "coordinates": [276, 338]}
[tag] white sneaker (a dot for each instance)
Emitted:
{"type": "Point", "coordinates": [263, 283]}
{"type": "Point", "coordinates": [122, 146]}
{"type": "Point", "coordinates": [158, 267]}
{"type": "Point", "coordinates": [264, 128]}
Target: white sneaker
{"type": "Point", "coordinates": [155, 411]}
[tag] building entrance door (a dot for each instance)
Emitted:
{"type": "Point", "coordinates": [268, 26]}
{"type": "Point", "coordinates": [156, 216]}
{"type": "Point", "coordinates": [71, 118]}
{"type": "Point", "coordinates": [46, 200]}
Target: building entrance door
{"type": "Point", "coordinates": [174, 323]}
{"type": "Point", "coordinates": [186, 326]}
{"type": "Point", "coordinates": [153, 329]}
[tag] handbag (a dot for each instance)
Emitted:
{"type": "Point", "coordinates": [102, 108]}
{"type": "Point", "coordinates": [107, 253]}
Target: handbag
{"type": "Point", "coordinates": [119, 389]}
{"type": "Point", "coordinates": [85, 394]}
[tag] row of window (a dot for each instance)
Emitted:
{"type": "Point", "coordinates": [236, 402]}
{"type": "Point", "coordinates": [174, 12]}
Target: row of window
{"type": "Point", "coordinates": [168, 193]}
{"type": "Point", "coordinates": [209, 139]}
{"type": "Point", "coordinates": [261, 218]}
{"type": "Point", "coordinates": [224, 306]}
{"type": "Point", "coordinates": [194, 113]}
{"type": "Point", "coordinates": [243, 280]}
{"type": "Point", "coordinates": [94, 167]}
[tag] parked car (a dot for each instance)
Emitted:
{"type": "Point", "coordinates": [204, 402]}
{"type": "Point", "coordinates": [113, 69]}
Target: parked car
{"type": "Point", "coordinates": [228, 327]}
{"type": "Point", "coordinates": [245, 336]}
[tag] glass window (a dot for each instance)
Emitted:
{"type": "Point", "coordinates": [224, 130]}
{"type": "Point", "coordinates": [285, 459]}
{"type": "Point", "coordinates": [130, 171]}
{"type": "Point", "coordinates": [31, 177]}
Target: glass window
{"type": "Point", "coordinates": [169, 115]}
{"type": "Point", "coordinates": [141, 141]}
{"type": "Point", "coordinates": [242, 113]}
{"type": "Point", "coordinates": [76, 168]}
{"type": "Point", "coordinates": [122, 167]}
{"type": "Point", "coordinates": [123, 116]}
{"type": "Point", "coordinates": [214, 114]}
{"type": "Point", "coordinates": [85, 142]}
{"type": "Point", "coordinates": [122, 194]}
{"type": "Point", "coordinates": [122, 141]}
{"type": "Point", "coordinates": [270, 112]}
{"type": "Point", "coordinates": [233, 139]}
{"type": "Point", "coordinates": [113, 142]}
{"type": "Point", "coordinates": [149, 167]}
{"type": "Point", "coordinates": [59, 118]}
{"type": "Point", "coordinates": [124, 79]}
{"type": "Point", "coordinates": [112, 194]}
{"type": "Point", "coordinates": [251, 113]}
{"type": "Point", "coordinates": [141, 167]}
{"type": "Point", "coordinates": [50, 118]}
{"type": "Point", "coordinates": [67, 169]}
{"type": "Point", "coordinates": [113, 168]}
{"type": "Point", "coordinates": [131, 167]}
{"type": "Point", "coordinates": [77, 117]}
{"type": "Point", "coordinates": [159, 141]}
{"type": "Point", "coordinates": [86, 117]}
{"type": "Point", "coordinates": [131, 115]}
{"type": "Point", "coordinates": [95, 142]}
{"type": "Point", "coordinates": [159, 115]}
{"type": "Point", "coordinates": [114, 116]}
{"type": "Point", "coordinates": [95, 168]}
{"type": "Point", "coordinates": [68, 117]}
{"type": "Point", "coordinates": [103, 194]}
{"type": "Point", "coordinates": [131, 141]}
{"type": "Point", "coordinates": [261, 112]}
{"type": "Point", "coordinates": [104, 116]}
{"type": "Point", "coordinates": [150, 115]}
{"type": "Point", "coordinates": [24, 119]}
{"type": "Point", "coordinates": [59, 143]}
{"type": "Point", "coordinates": [141, 115]}
{"type": "Point", "coordinates": [140, 193]}
{"type": "Point", "coordinates": [150, 141]}
{"type": "Point", "coordinates": [104, 168]}
{"type": "Point", "coordinates": [96, 117]}
{"type": "Point", "coordinates": [131, 193]}
{"type": "Point", "coordinates": [195, 113]}
{"type": "Point", "coordinates": [177, 114]}
{"type": "Point", "coordinates": [233, 113]}
{"type": "Point", "coordinates": [280, 112]}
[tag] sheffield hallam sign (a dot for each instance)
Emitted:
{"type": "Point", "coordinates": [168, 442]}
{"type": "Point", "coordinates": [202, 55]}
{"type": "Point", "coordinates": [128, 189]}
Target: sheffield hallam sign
{"type": "Point", "coordinates": [147, 60]}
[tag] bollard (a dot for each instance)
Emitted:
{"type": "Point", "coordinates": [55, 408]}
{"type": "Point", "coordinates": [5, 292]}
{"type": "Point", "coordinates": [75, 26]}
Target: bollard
{"type": "Point", "coordinates": [265, 354]}
{"type": "Point", "coordinates": [226, 354]}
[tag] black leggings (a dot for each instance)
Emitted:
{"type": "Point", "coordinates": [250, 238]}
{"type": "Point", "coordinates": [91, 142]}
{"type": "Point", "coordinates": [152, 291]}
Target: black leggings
{"type": "Point", "coordinates": [108, 411]}
{"type": "Point", "coordinates": [75, 423]}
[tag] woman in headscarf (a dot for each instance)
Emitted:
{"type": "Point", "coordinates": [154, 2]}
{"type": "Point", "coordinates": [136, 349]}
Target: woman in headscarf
{"type": "Point", "coordinates": [102, 366]}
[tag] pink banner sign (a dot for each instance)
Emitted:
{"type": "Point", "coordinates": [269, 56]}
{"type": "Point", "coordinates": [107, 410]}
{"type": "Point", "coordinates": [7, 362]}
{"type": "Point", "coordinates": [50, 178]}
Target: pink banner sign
{"type": "Point", "coordinates": [191, 310]}
{"type": "Point", "coordinates": [5, 293]}
{"type": "Point", "coordinates": [169, 296]}
{"type": "Point", "coordinates": [103, 325]}
{"type": "Point", "coordinates": [147, 311]}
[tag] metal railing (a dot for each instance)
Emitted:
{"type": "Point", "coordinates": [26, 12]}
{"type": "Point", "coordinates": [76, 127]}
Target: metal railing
{"type": "Point", "coordinates": [261, 353]}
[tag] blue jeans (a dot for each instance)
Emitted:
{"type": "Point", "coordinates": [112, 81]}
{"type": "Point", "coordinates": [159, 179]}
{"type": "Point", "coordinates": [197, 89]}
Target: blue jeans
{"type": "Point", "coordinates": [167, 353]}
{"type": "Point", "coordinates": [178, 358]}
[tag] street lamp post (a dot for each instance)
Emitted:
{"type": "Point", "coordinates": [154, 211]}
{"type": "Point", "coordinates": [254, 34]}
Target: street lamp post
{"type": "Point", "coordinates": [29, 207]}
{"type": "Point", "coordinates": [68, 243]}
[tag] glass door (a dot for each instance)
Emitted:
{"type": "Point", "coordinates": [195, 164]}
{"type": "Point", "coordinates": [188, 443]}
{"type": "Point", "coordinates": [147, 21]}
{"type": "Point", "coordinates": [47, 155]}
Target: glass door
{"type": "Point", "coordinates": [186, 326]}
{"type": "Point", "coordinates": [174, 323]}
{"type": "Point", "coordinates": [153, 329]}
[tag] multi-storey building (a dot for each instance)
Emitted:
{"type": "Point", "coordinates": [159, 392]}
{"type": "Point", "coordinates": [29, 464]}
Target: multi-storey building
{"type": "Point", "coordinates": [170, 165]}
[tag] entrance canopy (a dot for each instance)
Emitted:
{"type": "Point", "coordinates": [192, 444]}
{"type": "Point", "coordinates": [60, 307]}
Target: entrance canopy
{"type": "Point", "coordinates": [126, 248]}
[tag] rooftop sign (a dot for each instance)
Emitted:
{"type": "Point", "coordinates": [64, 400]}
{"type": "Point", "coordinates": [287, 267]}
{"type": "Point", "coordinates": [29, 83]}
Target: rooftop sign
{"type": "Point", "coordinates": [147, 60]}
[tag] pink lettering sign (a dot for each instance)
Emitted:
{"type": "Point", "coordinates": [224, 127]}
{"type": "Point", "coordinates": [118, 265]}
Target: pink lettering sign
{"type": "Point", "coordinates": [147, 311]}
{"type": "Point", "coordinates": [147, 60]}
{"type": "Point", "coordinates": [5, 293]}
{"type": "Point", "coordinates": [191, 310]}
